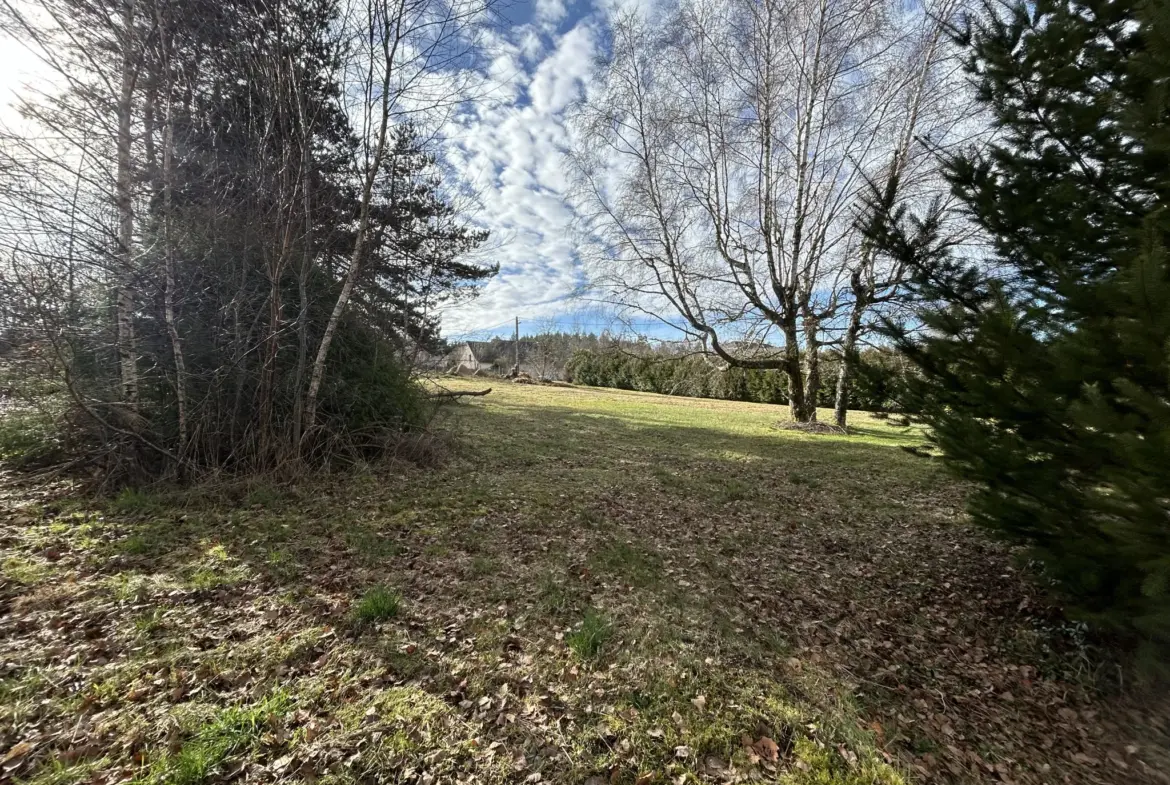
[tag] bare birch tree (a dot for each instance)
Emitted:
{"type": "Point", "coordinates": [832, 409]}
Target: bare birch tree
{"type": "Point", "coordinates": [128, 75]}
{"type": "Point", "coordinates": [402, 44]}
{"type": "Point", "coordinates": [935, 111]}
{"type": "Point", "coordinates": [723, 157]}
{"type": "Point", "coordinates": [168, 219]}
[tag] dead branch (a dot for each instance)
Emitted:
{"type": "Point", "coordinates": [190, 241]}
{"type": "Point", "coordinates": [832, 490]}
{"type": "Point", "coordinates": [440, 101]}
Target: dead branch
{"type": "Point", "coordinates": [459, 394]}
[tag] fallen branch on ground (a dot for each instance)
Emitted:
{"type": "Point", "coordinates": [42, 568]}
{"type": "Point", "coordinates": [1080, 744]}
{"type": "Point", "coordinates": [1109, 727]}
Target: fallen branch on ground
{"type": "Point", "coordinates": [458, 394]}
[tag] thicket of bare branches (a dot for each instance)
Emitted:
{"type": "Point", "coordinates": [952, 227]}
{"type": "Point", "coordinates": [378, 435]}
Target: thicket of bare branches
{"type": "Point", "coordinates": [223, 227]}
{"type": "Point", "coordinates": [724, 162]}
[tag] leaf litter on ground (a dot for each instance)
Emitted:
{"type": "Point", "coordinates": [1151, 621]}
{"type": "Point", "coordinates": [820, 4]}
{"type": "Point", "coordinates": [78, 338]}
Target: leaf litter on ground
{"type": "Point", "coordinates": [838, 621]}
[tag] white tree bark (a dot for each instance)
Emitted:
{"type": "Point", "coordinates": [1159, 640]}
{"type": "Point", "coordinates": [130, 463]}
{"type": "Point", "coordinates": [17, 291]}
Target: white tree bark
{"type": "Point", "coordinates": [389, 38]}
{"type": "Point", "coordinates": [403, 41]}
{"type": "Point", "coordinates": [168, 187]}
{"type": "Point", "coordinates": [124, 201]}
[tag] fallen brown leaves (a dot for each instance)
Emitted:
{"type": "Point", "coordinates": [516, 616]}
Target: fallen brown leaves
{"type": "Point", "coordinates": [840, 604]}
{"type": "Point", "coordinates": [956, 656]}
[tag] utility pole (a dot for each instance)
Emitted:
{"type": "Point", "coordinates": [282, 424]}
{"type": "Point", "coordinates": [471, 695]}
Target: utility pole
{"type": "Point", "coordinates": [516, 367]}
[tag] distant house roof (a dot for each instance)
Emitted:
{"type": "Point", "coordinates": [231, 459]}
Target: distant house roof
{"type": "Point", "coordinates": [488, 352]}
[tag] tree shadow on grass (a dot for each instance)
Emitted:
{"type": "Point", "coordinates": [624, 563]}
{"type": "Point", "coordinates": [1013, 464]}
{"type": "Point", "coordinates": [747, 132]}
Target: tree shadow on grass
{"type": "Point", "coordinates": [899, 436]}
{"type": "Point", "coordinates": [820, 535]}
{"type": "Point", "coordinates": [535, 457]}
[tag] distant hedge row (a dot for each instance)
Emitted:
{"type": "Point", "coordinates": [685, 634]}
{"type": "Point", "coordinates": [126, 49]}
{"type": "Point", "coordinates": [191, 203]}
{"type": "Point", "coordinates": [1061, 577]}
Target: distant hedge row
{"type": "Point", "coordinates": [880, 379]}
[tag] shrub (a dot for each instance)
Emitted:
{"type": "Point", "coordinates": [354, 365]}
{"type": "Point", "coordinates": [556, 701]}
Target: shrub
{"type": "Point", "coordinates": [879, 384]}
{"type": "Point", "coordinates": [28, 437]}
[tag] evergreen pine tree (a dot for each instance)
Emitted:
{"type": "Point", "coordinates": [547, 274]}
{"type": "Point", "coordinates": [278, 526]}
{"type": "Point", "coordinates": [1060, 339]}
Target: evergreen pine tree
{"type": "Point", "coordinates": [1045, 369]}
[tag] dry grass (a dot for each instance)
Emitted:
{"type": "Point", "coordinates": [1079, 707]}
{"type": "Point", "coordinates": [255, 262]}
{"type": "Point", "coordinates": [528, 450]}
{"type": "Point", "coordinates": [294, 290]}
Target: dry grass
{"type": "Point", "coordinates": [596, 586]}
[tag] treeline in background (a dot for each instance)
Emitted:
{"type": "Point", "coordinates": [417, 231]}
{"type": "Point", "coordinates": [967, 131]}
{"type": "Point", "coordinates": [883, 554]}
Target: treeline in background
{"type": "Point", "coordinates": [881, 376]}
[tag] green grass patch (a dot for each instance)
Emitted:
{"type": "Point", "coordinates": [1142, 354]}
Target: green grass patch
{"type": "Point", "coordinates": [136, 545]}
{"type": "Point", "coordinates": [134, 501]}
{"type": "Point", "coordinates": [670, 480]}
{"type": "Point", "coordinates": [556, 596]}
{"type": "Point", "coordinates": [483, 566]}
{"type": "Point", "coordinates": [209, 578]}
{"type": "Point", "coordinates": [151, 622]}
{"type": "Point", "coordinates": [370, 546]}
{"type": "Point", "coordinates": [281, 564]}
{"type": "Point", "coordinates": [377, 604]}
{"type": "Point", "coordinates": [230, 731]}
{"type": "Point", "coordinates": [588, 639]}
{"type": "Point", "coordinates": [804, 479]}
{"type": "Point", "coordinates": [264, 496]}
{"type": "Point", "coordinates": [407, 729]}
{"type": "Point", "coordinates": [634, 564]}
{"type": "Point", "coordinates": [214, 569]}
{"type": "Point", "coordinates": [58, 772]}
{"type": "Point", "coordinates": [731, 490]}
{"type": "Point", "coordinates": [818, 764]}
{"type": "Point", "coordinates": [590, 519]}
{"type": "Point", "coordinates": [20, 569]}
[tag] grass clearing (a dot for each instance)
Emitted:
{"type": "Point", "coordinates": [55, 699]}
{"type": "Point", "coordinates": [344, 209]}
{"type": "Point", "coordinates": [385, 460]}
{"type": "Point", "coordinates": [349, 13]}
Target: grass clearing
{"type": "Point", "coordinates": [604, 587]}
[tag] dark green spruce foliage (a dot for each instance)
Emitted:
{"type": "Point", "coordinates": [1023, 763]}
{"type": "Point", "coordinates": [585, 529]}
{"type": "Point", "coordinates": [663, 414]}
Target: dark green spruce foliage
{"type": "Point", "coordinates": [1045, 372]}
{"type": "Point", "coordinates": [880, 377]}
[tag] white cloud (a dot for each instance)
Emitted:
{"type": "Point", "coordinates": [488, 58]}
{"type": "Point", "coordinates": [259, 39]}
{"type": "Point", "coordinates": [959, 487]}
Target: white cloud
{"type": "Point", "coordinates": [558, 78]}
{"type": "Point", "coordinates": [513, 155]}
{"type": "Point", "coordinates": [549, 13]}
{"type": "Point", "coordinates": [531, 44]}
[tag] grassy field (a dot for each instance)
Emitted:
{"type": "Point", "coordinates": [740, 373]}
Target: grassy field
{"type": "Point", "coordinates": [592, 587]}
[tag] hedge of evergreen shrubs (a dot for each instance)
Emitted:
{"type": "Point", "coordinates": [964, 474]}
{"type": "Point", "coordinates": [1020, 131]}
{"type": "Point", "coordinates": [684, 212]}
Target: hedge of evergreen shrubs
{"type": "Point", "coordinates": [880, 379]}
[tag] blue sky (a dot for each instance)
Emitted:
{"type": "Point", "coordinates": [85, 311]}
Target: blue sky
{"type": "Point", "coordinates": [504, 151]}
{"type": "Point", "coordinates": [508, 149]}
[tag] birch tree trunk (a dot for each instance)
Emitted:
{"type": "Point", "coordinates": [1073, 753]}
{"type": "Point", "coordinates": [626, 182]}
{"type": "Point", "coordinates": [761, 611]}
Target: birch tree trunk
{"type": "Point", "coordinates": [812, 369]}
{"type": "Point", "coordinates": [169, 273]}
{"type": "Point", "coordinates": [168, 187]}
{"type": "Point", "coordinates": [303, 278]}
{"type": "Point", "coordinates": [848, 365]}
{"type": "Point", "coordinates": [123, 198]}
{"type": "Point", "coordinates": [792, 370]}
{"type": "Point", "coordinates": [389, 50]}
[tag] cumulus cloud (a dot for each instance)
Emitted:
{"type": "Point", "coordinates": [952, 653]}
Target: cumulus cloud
{"type": "Point", "coordinates": [558, 78]}
{"type": "Point", "coordinates": [512, 152]}
{"type": "Point", "coordinates": [549, 13]}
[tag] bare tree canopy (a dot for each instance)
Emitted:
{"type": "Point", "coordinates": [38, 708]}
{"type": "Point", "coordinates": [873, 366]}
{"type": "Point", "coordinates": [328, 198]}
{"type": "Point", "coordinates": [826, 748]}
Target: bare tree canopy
{"type": "Point", "coordinates": [724, 161]}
